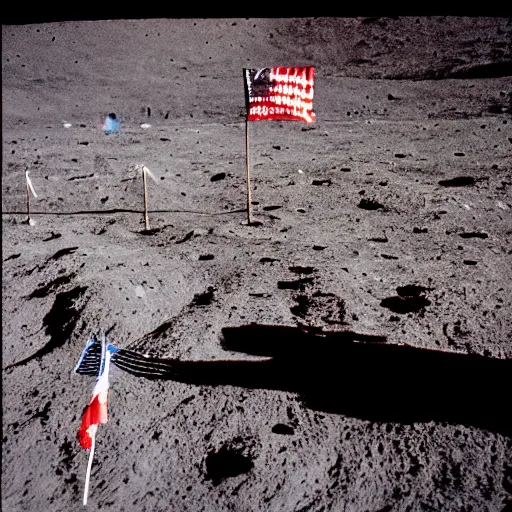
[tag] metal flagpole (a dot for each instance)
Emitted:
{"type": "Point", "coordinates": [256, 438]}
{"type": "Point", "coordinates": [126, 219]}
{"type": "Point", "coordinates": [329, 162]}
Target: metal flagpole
{"type": "Point", "coordinates": [28, 201]}
{"type": "Point", "coordinates": [248, 172]}
{"type": "Point", "coordinates": [146, 216]}
{"type": "Point", "coordinates": [89, 466]}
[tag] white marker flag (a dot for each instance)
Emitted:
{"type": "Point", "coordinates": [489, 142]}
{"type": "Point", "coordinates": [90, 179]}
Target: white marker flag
{"type": "Point", "coordinates": [29, 183]}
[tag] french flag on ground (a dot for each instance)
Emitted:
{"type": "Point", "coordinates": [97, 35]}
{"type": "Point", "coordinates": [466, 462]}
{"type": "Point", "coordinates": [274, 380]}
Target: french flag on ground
{"type": "Point", "coordinates": [95, 358]}
{"type": "Point", "coordinates": [97, 411]}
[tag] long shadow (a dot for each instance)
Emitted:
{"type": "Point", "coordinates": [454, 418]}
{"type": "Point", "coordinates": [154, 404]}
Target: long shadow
{"type": "Point", "coordinates": [357, 375]}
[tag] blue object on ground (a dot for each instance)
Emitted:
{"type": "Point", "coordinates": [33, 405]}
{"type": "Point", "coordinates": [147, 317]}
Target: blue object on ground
{"type": "Point", "coordinates": [111, 124]}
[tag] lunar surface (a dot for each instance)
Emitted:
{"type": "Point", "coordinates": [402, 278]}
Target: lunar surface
{"type": "Point", "coordinates": [332, 301]}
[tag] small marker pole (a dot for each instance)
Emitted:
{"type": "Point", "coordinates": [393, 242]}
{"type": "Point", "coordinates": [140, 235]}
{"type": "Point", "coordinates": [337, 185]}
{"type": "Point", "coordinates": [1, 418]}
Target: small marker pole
{"type": "Point", "coordinates": [146, 216]}
{"type": "Point", "coordinates": [28, 199]}
{"type": "Point", "coordinates": [30, 189]}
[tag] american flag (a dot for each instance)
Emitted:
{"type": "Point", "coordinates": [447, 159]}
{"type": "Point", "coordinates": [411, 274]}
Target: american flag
{"type": "Point", "coordinates": [280, 93]}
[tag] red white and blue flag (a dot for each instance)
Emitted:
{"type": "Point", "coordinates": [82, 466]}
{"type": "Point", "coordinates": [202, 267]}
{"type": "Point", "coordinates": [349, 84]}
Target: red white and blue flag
{"type": "Point", "coordinates": [280, 93]}
{"type": "Point", "coordinates": [96, 412]}
{"type": "Point", "coordinates": [95, 360]}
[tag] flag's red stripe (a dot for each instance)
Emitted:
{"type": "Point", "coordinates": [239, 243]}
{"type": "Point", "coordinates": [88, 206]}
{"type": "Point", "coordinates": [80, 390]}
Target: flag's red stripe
{"type": "Point", "coordinates": [290, 97]}
{"type": "Point", "coordinates": [95, 413]}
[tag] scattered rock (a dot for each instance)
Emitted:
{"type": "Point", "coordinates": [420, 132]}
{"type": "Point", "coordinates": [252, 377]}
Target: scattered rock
{"type": "Point", "coordinates": [219, 176]}
{"type": "Point", "coordinates": [370, 204]}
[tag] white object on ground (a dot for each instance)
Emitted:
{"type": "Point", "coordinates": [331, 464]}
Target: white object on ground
{"type": "Point", "coordinates": [139, 291]}
{"type": "Point", "coordinates": [29, 182]}
{"type": "Point", "coordinates": [150, 174]}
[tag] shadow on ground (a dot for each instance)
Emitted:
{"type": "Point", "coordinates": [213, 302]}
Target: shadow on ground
{"type": "Point", "coordinates": [355, 375]}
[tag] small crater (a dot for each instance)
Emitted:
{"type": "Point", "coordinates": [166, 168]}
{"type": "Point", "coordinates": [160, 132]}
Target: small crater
{"type": "Point", "coordinates": [459, 181]}
{"type": "Point", "coordinates": [411, 290]}
{"type": "Point", "coordinates": [260, 294]}
{"type": "Point", "coordinates": [187, 237]}
{"type": "Point", "coordinates": [268, 260]}
{"type": "Point", "coordinates": [370, 204]}
{"type": "Point", "coordinates": [52, 286]}
{"type": "Point", "coordinates": [410, 299]}
{"type": "Point", "coordinates": [320, 306]}
{"type": "Point", "coordinates": [218, 177]}
{"type": "Point", "coordinates": [302, 307]}
{"type": "Point", "coordinates": [204, 257]}
{"type": "Point", "coordinates": [297, 269]}
{"type": "Point", "coordinates": [281, 428]}
{"type": "Point", "coordinates": [53, 236]}
{"type": "Point", "coordinates": [298, 284]}
{"type": "Point", "coordinates": [225, 463]}
{"type": "Point", "coordinates": [149, 232]}
{"type": "Point", "coordinates": [204, 299]}
{"type": "Point", "coordinates": [473, 235]}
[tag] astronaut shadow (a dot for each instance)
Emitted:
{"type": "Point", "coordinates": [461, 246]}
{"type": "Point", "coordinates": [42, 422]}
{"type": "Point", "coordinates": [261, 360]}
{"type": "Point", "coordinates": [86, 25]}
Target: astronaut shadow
{"type": "Point", "coordinates": [361, 376]}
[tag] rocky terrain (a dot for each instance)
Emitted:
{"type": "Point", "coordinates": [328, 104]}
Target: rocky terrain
{"type": "Point", "coordinates": [347, 348]}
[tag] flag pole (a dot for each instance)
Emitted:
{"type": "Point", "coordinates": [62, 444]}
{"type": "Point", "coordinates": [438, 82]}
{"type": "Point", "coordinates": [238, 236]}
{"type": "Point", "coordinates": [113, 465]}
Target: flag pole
{"type": "Point", "coordinates": [248, 172]}
{"type": "Point", "coordinates": [89, 466]}
{"type": "Point", "coordinates": [146, 216]}
{"type": "Point", "coordinates": [28, 200]}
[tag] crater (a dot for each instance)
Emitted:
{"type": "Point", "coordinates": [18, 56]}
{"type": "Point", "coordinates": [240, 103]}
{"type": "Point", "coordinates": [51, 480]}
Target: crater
{"type": "Point", "coordinates": [409, 299]}
{"type": "Point", "coordinates": [370, 204]}
{"type": "Point", "coordinates": [227, 462]}
{"type": "Point", "coordinates": [281, 428]}
{"type": "Point", "coordinates": [459, 181]}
